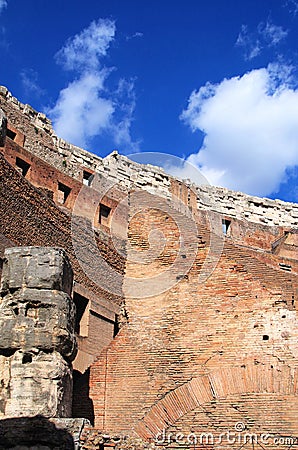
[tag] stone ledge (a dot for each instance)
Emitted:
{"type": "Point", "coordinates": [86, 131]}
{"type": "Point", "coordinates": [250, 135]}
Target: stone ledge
{"type": "Point", "coordinates": [36, 267]}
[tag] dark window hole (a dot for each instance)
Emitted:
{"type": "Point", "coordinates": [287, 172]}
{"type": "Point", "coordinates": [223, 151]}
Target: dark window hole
{"type": "Point", "coordinates": [225, 226]}
{"type": "Point", "coordinates": [63, 193]}
{"type": "Point", "coordinates": [11, 134]}
{"type": "Point", "coordinates": [22, 166]}
{"type": "Point", "coordinates": [7, 352]}
{"type": "Point", "coordinates": [81, 305]}
{"type": "Point", "coordinates": [104, 212]}
{"type": "Point", "coordinates": [27, 359]}
{"type": "Point", "coordinates": [116, 325]}
{"type": "Point", "coordinates": [87, 178]}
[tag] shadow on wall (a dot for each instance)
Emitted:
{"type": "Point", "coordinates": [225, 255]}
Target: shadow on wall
{"type": "Point", "coordinates": [28, 432]}
{"type": "Point", "coordinates": [82, 405]}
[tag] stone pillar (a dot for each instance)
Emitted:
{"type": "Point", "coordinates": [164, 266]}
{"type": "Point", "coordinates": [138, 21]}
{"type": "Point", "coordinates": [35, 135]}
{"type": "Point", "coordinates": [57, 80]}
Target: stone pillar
{"type": "Point", "coordinates": [37, 341]}
{"type": "Point", "coordinates": [3, 128]}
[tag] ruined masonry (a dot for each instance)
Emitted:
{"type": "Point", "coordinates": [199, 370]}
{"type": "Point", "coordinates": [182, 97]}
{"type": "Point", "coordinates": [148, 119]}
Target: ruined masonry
{"type": "Point", "coordinates": [37, 341]}
{"type": "Point", "coordinates": [186, 328]}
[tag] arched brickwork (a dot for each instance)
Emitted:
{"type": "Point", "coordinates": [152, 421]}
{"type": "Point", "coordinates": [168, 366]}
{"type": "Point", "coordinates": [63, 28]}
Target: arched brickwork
{"type": "Point", "coordinates": [218, 385]}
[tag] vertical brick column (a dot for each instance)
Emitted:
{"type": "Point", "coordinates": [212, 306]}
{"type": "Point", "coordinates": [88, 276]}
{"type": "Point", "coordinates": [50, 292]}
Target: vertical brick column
{"type": "Point", "coordinates": [37, 341]}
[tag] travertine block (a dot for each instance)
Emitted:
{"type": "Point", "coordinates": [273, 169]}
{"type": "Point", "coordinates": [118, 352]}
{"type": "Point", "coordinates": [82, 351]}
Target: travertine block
{"type": "Point", "coordinates": [37, 340]}
{"type": "Point", "coordinates": [36, 383]}
{"type": "Point", "coordinates": [36, 267]}
{"type": "Point", "coordinates": [42, 319]}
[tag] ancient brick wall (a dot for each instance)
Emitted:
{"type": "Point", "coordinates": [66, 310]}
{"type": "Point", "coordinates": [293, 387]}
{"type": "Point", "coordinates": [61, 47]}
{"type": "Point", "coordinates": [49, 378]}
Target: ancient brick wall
{"type": "Point", "coordinates": [201, 356]}
{"type": "Point", "coordinates": [40, 220]}
{"type": "Point", "coordinates": [47, 178]}
{"type": "Point", "coordinates": [41, 140]}
{"type": "Point", "coordinates": [247, 207]}
{"type": "Point", "coordinates": [61, 188]}
{"type": "Point", "coordinates": [41, 174]}
{"type": "Point", "coordinates": [28, 217]}
{"type": "Point", "coordinates": [210, 286]}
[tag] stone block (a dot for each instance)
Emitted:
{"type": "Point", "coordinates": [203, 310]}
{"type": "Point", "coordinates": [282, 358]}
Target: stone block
{"type": "Point", "coordinates": [42, 319]}
{"type": "Point", "coordinates": [36, 267]}
{"type": "Point", "coordinates": [3, 91]}
{"type": "Point", "coordinates": [37, 383]}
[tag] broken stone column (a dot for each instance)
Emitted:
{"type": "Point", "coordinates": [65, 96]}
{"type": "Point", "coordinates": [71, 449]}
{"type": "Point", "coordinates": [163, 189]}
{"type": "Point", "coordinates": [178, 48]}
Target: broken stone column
{"type": "Point", "coordinates": [37, 341]}
{"type": "Point", "coordinates": [3, 128]}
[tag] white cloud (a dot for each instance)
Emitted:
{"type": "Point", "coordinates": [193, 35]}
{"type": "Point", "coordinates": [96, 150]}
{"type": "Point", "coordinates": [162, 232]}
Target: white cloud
{"type": "Point", "coordinates": [272, 34]}
{"type": "Point", "coordinates": [86, 108]}
{"type": "Point", "coordinates": [30, 84]}
{"type": "Point", "coordinates": [251, 130]}
{"type": "Point", "coordinates": [3, 5]}
{"type": "Point", "coordinates": [3, 43]}
{"type": "Point", "coordinates": [266, 35]}
{"type": "Point", "coordinates": [125, 100]}
{"type": "Point", "coordinates": [292, 5]}
{"type": "Point", "coordinates": [81, 112]}
{"type": "Point", "coordinates": [84, 51]}
{"type": "Point", "coordinates": [250, 44]}
{"type": "Point", "coordinates": [138, 34]}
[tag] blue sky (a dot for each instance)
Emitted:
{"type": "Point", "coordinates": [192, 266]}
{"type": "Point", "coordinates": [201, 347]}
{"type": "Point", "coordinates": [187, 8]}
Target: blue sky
{"type": "Point", "coordinates": [213, 82]}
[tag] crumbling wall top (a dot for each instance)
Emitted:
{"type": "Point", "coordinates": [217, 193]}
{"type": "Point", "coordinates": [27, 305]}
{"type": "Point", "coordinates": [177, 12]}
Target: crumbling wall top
{"type": "Point", "coordinates": [127, 174]}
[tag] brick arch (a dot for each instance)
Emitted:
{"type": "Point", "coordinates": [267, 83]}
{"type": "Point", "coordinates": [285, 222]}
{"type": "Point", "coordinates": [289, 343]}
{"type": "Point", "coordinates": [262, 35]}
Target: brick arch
{"type": "Point", "coordinates": [247, 379]}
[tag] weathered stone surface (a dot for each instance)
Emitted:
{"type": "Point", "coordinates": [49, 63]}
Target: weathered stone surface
{"type": "Point", "coordinates": [130, 175]}
{"type": "Point", "coordinates": [3, 128]}
{"type": "Point", "coordinates": [34, 383]}
{"type": "Point", "coordinates": [42, 319]}
{"type": "Point", "coordinates": [5, 383]}
{"type": "Point", "coordinates": [74, 427]}
{"type": "Point", "coordinates": [37, 340]}
{"type": "Point", "coordinates": [35, 267]}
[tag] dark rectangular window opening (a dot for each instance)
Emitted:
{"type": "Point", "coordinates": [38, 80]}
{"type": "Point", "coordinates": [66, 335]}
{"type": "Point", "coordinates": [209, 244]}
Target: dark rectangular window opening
{"type": "Point", "coordinates": [87, 178]}
{"type": "Point", "coordinates": [63, 193]}
{"type": "Point", "coordinates": [81, 305]}
{"type": "Point", "coordinates": [104, 213]}
{"type": "Point", "coordinates": [22, 166]}
{"type": "Point", "coordinates": [11, 134]}
{"type": "Point", "coordinates": [225, 226]}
